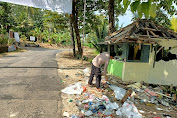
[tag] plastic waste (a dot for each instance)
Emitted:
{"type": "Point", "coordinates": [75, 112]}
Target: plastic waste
{"type": "Point", "coordinates": [74, 116]}
{"type": "Point", "coordinates": [94, 110]}
{"type": "Point", "coordinates": [86, 71]}
{"type": "Point", "coordinates": [119, 112]}
{"type": "Point", "coordinates": [164, 103]}
{"type": "Point", "coordinates": [91, 96]}
{"type": "Point", "coordinates": [107, 112]}
{"type": "Point", "coordinates": [105, 98]}
{"type": "Point", "coordinates": [86, 101]}
{"type": "Point", "coordinates": [73, 89]}
{"type": "Point", "coordinates": [66, 114]}
{"type": "Point", "coordinates": [102, 107]}
{"type": "Point", "coordinates": [70, 100]}
{"type": "Point", "coordinates": [88, 113]}
{"type": "Point", "coordinates": [119, 92]}
{"type": "Point", "coordinates": [112, 106]}
{"type": "Point", "coordinates": [130, 110]}
{"type": "Point", "coordinates": [84, 88]}
{"type": "Point", "coordinates": [78, 102]}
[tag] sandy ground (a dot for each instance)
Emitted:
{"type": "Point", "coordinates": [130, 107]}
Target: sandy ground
{"type": "Point", "coordinates": [70, 70]}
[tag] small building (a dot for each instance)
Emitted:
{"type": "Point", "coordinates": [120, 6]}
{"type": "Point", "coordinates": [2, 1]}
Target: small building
{"type": "Point", "coordinates": [145, 51]}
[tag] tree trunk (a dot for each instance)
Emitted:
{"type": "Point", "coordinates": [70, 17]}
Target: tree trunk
{"type": "Point", "coordinates": [74, 21]}
{"type": "Point", "coordinates": [72, 36]}
{"type": "Point", "coordinates": [111, 17]}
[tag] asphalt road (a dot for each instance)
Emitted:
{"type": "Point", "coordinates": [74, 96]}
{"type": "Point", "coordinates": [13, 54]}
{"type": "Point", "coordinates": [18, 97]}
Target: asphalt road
{"type": "Point", "coordinates": [30, 85]}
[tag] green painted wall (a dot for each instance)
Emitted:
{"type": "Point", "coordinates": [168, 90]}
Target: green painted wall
{"type": "Point", "coordinates": [115, 68]}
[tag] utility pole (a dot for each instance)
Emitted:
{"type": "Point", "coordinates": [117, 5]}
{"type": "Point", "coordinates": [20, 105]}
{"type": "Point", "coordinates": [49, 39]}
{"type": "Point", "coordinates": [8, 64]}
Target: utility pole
{"type": "Point", "coordinates": [83, 31]}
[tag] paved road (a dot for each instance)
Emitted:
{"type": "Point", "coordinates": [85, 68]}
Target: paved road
{"type": "Point", "coordinates": [29, 85]}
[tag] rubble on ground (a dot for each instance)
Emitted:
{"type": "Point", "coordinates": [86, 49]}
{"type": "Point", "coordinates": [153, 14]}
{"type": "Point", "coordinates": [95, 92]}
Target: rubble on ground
{"type": "Point", "coordinates": [145, 100]}
{"type": "Point", "coordinates": [92, 106]}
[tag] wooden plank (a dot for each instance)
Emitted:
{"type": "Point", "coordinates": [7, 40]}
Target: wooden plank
{"type": "Point", "coordinates": [163, 95]}
{"type": "Point", "coordinates": [151, 29]}
{"type": "Point", "coordinates": [153, 33]}
{"type": "Point", "coordinates": [153, 25]}
{"type": "Point", "coordinates": [164, 34]}
{"type": "Point", "coordinates": [159, 50]}
{"type": "Point", "coordinates": [155, 56]}
{"type": "Point", "coordinates": [147, 32]}
{"type": "Point", "coordinates": [127, 94]}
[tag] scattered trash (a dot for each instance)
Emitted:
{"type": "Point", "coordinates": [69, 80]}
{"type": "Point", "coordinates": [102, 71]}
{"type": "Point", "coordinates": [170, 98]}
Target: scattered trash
{"type": "Point", "coordinates": [105, 98]}
{"type": "Point", "coordinates": [150, 93]}
{"type": "Point", "coordinates": [112, 106]}
{"type": "Point", "coordinates": [90, 105]}
{"type": "Point", "coordinates": [66, 114]}
{"type": "Point", "coordinates": [70, 100]}
{"type": "Point", "coordinates": [137, 85]}
{"type": "Point", "coordinates": [84, 88]}
{"type": "Point", "coordinates": [119, 92]}
{"type": "Point", "coordinates": [88, 113]}
{"type": "Point", "coordinates": [127, 94]}
{"type": "Point", "coordinates": [73, 89]}
{"type": "Point", "coordinates": [130, 110]}
{"type": "Point", "coordinates": [141, 111]}
{"type": "Point", "coordinates": [159, 109]}
{"type": "Point", "coordinates": [101, 107]}
{"type": "Point", "coordinates": [86, 72]}
{"type": "Point", "coordinates": [167, 116]}
{"type": "Point", "coordinates": [74, 116]}
{"type": "Point", "coordinates": [67, 76]}
{"type": "Point", "coordinates": [87, 101]}
{"type": "Point", "coordinates": [78, 102]}
{"type": "Point", "coordinates": [119, 112]}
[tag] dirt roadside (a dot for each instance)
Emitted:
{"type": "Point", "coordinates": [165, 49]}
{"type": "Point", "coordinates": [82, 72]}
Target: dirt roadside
{"type": "Point", "coordinates": [69, 69]}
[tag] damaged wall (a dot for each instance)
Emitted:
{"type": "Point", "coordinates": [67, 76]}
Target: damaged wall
{"type": "Point", "coordinates": [165, 72]}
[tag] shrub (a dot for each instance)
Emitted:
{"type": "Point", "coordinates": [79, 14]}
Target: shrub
{"type": "Point", "coordinates": [4, 39]}
{"type": "Point", "coordinates": [23, 38]}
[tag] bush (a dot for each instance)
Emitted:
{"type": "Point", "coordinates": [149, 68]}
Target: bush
{"type": "Point", "coordinates": [23, 38]}
{"type": "Point", "coordinates": [11, 41]}
{"type": "Point", "coordinates": [4, 39]}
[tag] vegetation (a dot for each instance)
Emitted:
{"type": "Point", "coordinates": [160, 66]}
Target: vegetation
{"type": "Point", "coordinates": [101, 20]}
{"type": "Point", "coordinates": [174, 24]}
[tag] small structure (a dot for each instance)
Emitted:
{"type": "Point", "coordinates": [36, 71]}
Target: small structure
{"type": "Point", "coordinates": [145, 51]}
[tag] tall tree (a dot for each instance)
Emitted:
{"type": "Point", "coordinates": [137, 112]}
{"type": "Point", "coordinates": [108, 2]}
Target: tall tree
{"type": "Point", "coordinates": [75, 24]}
{"type": "Point", "coordinates": [72, 36]}
{"type": "Point", "coordinates": [111, 17]}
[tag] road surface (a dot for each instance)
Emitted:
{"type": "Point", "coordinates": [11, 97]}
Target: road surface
{"type": "Point", "coordinates": [30, 85]}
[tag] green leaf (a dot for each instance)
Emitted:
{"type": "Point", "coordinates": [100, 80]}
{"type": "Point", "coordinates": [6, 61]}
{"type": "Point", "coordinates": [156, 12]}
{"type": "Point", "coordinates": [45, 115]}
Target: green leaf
{"type": "Point", "coordinates": [140, 13]}
{"type": "Point", "coordinates": [119, 1]}
{"type": "Point", "coordinates": [152, 11]}
{"type": "Point", "coordinates": [134, 6]}
{"type": "Point", "coordinates": [146, 7]}
{"type": "Point", "coordinates": [126, 3]}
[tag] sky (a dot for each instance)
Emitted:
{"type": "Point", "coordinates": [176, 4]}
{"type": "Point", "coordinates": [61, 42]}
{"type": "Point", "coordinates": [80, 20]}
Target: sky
{"type": "Point", "coordinates": [126, 19]}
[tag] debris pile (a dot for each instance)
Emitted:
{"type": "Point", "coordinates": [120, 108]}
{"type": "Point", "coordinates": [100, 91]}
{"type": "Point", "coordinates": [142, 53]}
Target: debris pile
{"type": "Point", "coordinates": [119, 101]}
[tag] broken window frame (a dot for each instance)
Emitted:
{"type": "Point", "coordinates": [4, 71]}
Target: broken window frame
{"type": "Point", "coordinates": [145, 53]}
